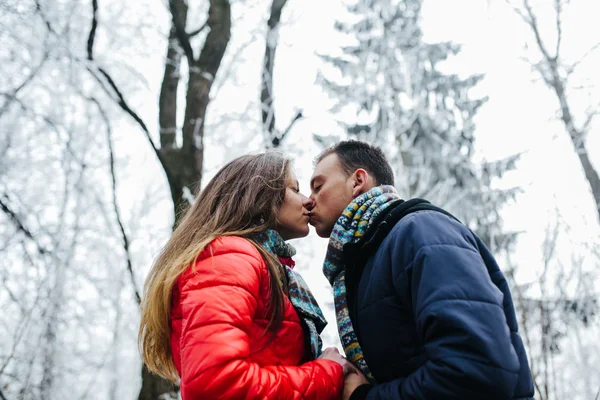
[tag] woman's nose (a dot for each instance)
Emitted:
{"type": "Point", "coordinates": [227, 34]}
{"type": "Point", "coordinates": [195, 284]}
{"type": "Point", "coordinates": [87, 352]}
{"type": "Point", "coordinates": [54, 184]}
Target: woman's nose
{"type": "Point", "coordinates": [307, 202]}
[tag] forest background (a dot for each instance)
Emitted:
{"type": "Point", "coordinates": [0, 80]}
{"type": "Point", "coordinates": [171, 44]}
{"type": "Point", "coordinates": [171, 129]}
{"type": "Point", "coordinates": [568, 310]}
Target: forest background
{"type": "Point", "coordinates": [111, 113]}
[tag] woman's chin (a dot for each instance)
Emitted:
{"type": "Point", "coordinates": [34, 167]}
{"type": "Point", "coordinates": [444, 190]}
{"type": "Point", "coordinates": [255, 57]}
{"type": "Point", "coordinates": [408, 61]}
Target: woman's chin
{"type": "Point", "coordinates": [300, 233]}
{"type": "Point", "coordinates": [297, 233]}
{"type": "Point", "coordinates": [305, 233]}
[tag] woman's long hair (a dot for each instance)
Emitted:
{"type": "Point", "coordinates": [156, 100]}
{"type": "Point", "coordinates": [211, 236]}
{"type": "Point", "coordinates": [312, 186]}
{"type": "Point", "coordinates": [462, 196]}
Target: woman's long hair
{"type": "Point", "coordinates": [243, 198]}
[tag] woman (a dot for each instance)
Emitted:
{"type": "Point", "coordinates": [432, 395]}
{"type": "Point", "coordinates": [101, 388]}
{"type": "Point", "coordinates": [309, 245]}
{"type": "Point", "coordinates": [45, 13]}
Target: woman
{"type": "Point", "coordinates": [223, 310]}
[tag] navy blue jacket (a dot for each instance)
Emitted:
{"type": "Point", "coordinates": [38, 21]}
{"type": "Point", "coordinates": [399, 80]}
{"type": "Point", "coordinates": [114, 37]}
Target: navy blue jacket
{"type": "Point", "coordinates": [433, 313]}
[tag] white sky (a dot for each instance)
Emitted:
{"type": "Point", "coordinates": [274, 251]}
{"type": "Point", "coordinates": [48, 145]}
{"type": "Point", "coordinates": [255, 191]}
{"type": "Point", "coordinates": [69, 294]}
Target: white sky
{"type": "Point", "coordinates": [520, 116]}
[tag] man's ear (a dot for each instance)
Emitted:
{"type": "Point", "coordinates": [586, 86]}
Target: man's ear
{"type": "Point", "coordinates": [360, 182]}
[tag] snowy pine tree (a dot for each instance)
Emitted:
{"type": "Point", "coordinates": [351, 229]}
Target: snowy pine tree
{"type": "Point", "coordinates": [391, 89]}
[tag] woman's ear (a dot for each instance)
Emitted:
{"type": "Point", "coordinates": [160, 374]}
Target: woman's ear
{"type": "Point", "coordinates": [360, 182]}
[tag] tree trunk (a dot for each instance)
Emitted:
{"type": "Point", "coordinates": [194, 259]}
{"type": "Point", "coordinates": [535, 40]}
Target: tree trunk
{"type": "Point", "coordinates": [267, 109]}
{"type": "Point", "coordinates": [578, 139]}
{"type": "Point", "coordinates": [156, 388]}
{"type": "Point", "coordinates": [184, 164]}
{"type": "Point", "coordinates": [201, 77]}
{"type": "Point", "coordinates": [49, 345]}
{"type": "Point", "coordinates": [116, 341]}
{"type": "Point", "coordinates": [266, 92]}
{"type": "Point", "coordinates": [167, 104]}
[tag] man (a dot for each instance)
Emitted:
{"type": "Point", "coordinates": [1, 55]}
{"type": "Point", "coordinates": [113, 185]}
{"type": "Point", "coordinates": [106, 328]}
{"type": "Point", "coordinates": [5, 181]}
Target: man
{"type": "Point", "coordinates": [421, 305]}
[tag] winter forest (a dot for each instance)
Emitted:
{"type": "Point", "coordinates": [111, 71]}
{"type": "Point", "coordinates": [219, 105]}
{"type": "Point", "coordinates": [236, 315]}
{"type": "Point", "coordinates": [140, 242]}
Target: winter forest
{"type": "Point", "coordinates": [112, 112]}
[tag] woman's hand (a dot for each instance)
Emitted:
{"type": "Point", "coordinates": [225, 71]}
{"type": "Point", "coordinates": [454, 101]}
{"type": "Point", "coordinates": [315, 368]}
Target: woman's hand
{"type": "Point", "coordinates": [332, 353]}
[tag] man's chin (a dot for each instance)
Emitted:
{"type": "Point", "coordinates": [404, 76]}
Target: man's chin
{"type": "Point", "coordinates": [321, 232]}
{"type": "Point", "coordinates": [324, 235]}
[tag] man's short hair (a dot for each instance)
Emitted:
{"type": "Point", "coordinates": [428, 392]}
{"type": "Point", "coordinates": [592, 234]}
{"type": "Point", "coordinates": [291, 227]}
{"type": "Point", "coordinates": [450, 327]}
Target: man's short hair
{"type": "Point", "coordinates": [354, 154]}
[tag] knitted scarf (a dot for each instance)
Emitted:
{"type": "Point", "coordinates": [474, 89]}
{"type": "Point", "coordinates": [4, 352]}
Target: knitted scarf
{"type": "Point", "coordinates": [298, 292]}
{"type": "Point", "coordinates": [356, 218]}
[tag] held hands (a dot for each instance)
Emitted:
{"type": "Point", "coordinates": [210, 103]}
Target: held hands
{"type": "Point", "coordinates": [332, 353]}
{"type": "Point", "coordinates": [352, 381]}
{"type": "Point", "coordinates": [353, 378]}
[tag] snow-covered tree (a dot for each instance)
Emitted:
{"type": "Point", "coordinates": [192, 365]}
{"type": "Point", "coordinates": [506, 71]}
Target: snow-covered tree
{"type": "Point", "coordinates": [68, 284]}
{"type": "Point", "coordinates": [394, 89]}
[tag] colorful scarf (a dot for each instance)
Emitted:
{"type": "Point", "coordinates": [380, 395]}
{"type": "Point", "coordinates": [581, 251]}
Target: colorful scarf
{"type": "Point", "coordinates": [356, 218]}
{"type": "Point", "coordinates": [298, 292]}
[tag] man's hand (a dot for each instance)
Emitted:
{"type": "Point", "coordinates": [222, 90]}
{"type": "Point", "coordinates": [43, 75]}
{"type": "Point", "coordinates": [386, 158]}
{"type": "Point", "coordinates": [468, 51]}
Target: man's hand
{"type": "Point", "coordinates": [352, 381]}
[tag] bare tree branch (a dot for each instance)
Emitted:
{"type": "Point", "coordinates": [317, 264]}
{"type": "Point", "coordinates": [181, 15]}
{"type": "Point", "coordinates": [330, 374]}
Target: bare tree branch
{"type": "Point", "coordinates": [525, 321]}
{"type": "Point", "coordinates": [29, 77]}
{"type": "Point", "coordinates": [533, 23]}
{"type": "Point", "coordinates": [12, 295]}
{"type": "Point", "coordinates": [548, 68]}
{"type": "Point", "coordinates": [12, 96]}
{"type": "Point", "coordinates": [20, 225]}
{"type": "Point", "coordinates": [179, 9]}
{"type": "Point", "coordinates": [20, 332]}
{"type": "Point", "coordinates": [113, 176]}
{"type": "Point", "coordinates": [277, 140]}
{"type": "Point", "coordinates": [40, 11]}
{"type": "Point", "coordinates": [573, 66]}
{"type": "Point", "coordinates": [558, 13]}
{"type": "Point", "coordinates": [588, 120]}
{"type": "Point", "coordinates": [197, 31]}
{"type": "Point", "coordinates": [92, 35]}
{"type": "Point", "coordinates": [120, 100]}
{"type": "Point", "coordinates": [90, 385]}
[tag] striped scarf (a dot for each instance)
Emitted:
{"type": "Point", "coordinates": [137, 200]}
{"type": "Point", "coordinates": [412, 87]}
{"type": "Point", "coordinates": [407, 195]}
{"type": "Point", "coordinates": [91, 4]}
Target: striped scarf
{"type": "Point", "coordinates": [356, 218]}
{"type": "Point", "coordinates": [298, 292]}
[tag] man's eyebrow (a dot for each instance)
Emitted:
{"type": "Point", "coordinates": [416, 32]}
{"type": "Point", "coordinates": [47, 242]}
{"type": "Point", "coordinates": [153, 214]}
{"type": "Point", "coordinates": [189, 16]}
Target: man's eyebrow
{"type": "Point", "coordinates": [313, 179]}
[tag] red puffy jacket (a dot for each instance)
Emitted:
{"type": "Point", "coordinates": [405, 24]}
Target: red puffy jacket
{"type": "Point", "coordinates": [218, 320]}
